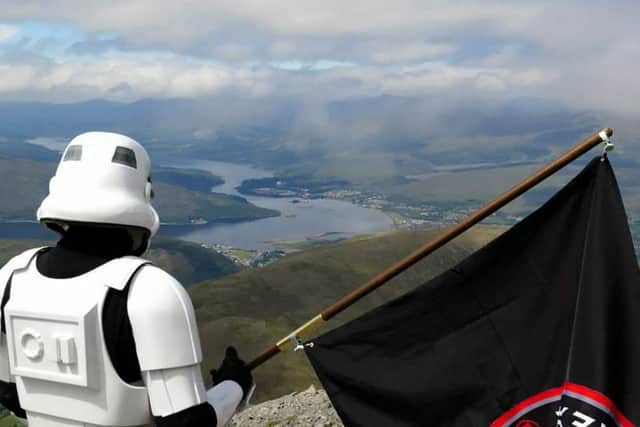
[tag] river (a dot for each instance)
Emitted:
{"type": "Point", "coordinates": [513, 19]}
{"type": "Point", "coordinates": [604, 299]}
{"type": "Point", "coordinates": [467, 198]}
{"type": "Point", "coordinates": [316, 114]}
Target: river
{"type": "Point", "coordinates": [300, 219]}
{"type": "Point", "coordinates": [307, 219]}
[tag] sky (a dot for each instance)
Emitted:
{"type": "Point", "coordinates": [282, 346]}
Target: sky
{"type": "Point", "coordinates": [584, 54]}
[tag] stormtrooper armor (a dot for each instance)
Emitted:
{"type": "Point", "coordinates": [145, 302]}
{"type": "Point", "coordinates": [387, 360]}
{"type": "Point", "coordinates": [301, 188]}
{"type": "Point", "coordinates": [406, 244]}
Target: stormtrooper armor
{"type": "Point", "coordinates": [55, 345]}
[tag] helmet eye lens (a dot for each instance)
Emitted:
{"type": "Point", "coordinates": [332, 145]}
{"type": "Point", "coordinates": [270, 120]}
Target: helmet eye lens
{"type": "Point", "coordinates": [125, 156]}
{"type": "Point", "coordinates": [74, 153]}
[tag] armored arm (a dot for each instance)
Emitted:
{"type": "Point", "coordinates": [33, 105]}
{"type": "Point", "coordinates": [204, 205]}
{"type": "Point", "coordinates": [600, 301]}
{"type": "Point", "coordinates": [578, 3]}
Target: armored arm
{"type": "Point", "coordinates": [168, 348]}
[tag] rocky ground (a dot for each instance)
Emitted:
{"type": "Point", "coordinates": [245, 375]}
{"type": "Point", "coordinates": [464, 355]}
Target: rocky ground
{"type": "Point", "coordinates": [310, 408]}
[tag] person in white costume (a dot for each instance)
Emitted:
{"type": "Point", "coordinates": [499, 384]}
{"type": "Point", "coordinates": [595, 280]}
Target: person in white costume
{"type": "Point", "coordinates": [93, 335]}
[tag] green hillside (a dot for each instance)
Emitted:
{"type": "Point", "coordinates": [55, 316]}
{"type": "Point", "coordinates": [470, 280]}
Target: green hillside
{"type": "Point", "coordinates": [8, 420]}
{"type": "Point", "coordinates": [174, 204]}
{"type": "Point", "coordinates": [24, 183]}
{"type": "Point", "coordinates": [254, 308]}
{"type": "Point", "coordinates": [188, 262]}
{"type": "Point", "coordinates": [191, 179]}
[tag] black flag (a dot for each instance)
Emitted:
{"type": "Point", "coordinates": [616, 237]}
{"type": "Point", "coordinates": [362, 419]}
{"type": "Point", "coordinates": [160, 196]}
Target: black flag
{"type": "Point", "coordinates": [540, 328]}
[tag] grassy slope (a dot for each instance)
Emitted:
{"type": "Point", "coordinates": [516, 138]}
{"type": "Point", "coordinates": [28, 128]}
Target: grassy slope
{"type": "Point", "coordinates": [191, 179]}
{"type": "Point", "coordinates": [188, 262]}
{"type": "Point", "coordinates": [8, 420]}
{"type": "Point", "coordinates": [254, 308]}
{"type": "Point", "coordinates": [24, 183]}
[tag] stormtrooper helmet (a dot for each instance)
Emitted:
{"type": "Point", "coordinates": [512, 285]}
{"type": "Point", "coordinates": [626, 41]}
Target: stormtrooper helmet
{"type": "Point", "coordinates": [102, 180]}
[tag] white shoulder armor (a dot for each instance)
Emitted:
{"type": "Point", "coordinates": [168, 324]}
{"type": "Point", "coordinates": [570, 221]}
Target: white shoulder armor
{"type": "Point", "coordinates": [163, 321]}
{"type": "Point", "coordinates": [18, 262]}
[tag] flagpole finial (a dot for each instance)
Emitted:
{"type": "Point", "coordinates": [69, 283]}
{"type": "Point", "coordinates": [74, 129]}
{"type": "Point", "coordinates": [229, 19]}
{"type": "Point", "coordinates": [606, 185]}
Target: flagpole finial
{"type": "Point", "coordinates": [608, 145]}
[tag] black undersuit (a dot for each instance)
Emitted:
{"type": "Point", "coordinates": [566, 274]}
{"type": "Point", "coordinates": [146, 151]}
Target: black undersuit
{"type": "Point", "coordinates": [80, 252]}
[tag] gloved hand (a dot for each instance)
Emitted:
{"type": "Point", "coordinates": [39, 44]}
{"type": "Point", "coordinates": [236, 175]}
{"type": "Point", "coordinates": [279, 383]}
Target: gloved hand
{"type": "Point", "coordinates": [233, 368]}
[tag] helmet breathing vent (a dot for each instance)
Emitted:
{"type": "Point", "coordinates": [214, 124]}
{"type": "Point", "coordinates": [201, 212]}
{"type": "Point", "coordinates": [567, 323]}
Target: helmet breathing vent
{"type": "Point", "coordinates": [125, 156]}
{"type": "Point", "coordinates": [73, 153]}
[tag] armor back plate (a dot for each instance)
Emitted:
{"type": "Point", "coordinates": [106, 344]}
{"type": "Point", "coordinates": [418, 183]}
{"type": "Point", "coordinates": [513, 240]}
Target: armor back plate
{"type": "Point", "coordinates": [57, 351]}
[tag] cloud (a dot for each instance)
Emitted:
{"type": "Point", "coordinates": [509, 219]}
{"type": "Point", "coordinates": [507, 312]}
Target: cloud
{"type": "Point", "coordinates": [183, 21]}
{"type": "Point", "coordinates": [7, 31]}
{"type": "Point", "coordinates": [299, 30]}
{"type": "Point", "coordinates": [128, 78]}
{"type": "Point", "coordinates": [410, 52]}
{"type": "Point", "coordinates": [582, 53]}
{"type": "Point", "coordinates": [119, 78]}
{"type": "Point", "coordinates": [369, 30]}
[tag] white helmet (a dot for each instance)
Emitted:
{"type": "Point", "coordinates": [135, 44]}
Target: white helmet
{"type": "Point", "coordinates": [102, 179]}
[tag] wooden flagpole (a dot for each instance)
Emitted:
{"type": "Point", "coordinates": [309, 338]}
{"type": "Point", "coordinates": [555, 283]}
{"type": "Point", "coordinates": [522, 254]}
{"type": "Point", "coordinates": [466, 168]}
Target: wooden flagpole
{"type": "Point", "coordinates": [440, 240]}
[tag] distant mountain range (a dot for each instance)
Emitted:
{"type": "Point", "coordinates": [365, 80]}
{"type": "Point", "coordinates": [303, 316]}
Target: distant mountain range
{"type": "Point", "coordinates": [276, 131]}
{"type": "Point", "coordinates": [374, 144]}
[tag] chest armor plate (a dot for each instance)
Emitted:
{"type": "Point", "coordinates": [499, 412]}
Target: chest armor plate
{"type": "Point", "coordinates": [57, 351]}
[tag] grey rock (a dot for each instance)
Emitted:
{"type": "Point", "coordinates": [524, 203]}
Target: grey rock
{"type": "Point", "coordinates": [309, 408]}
